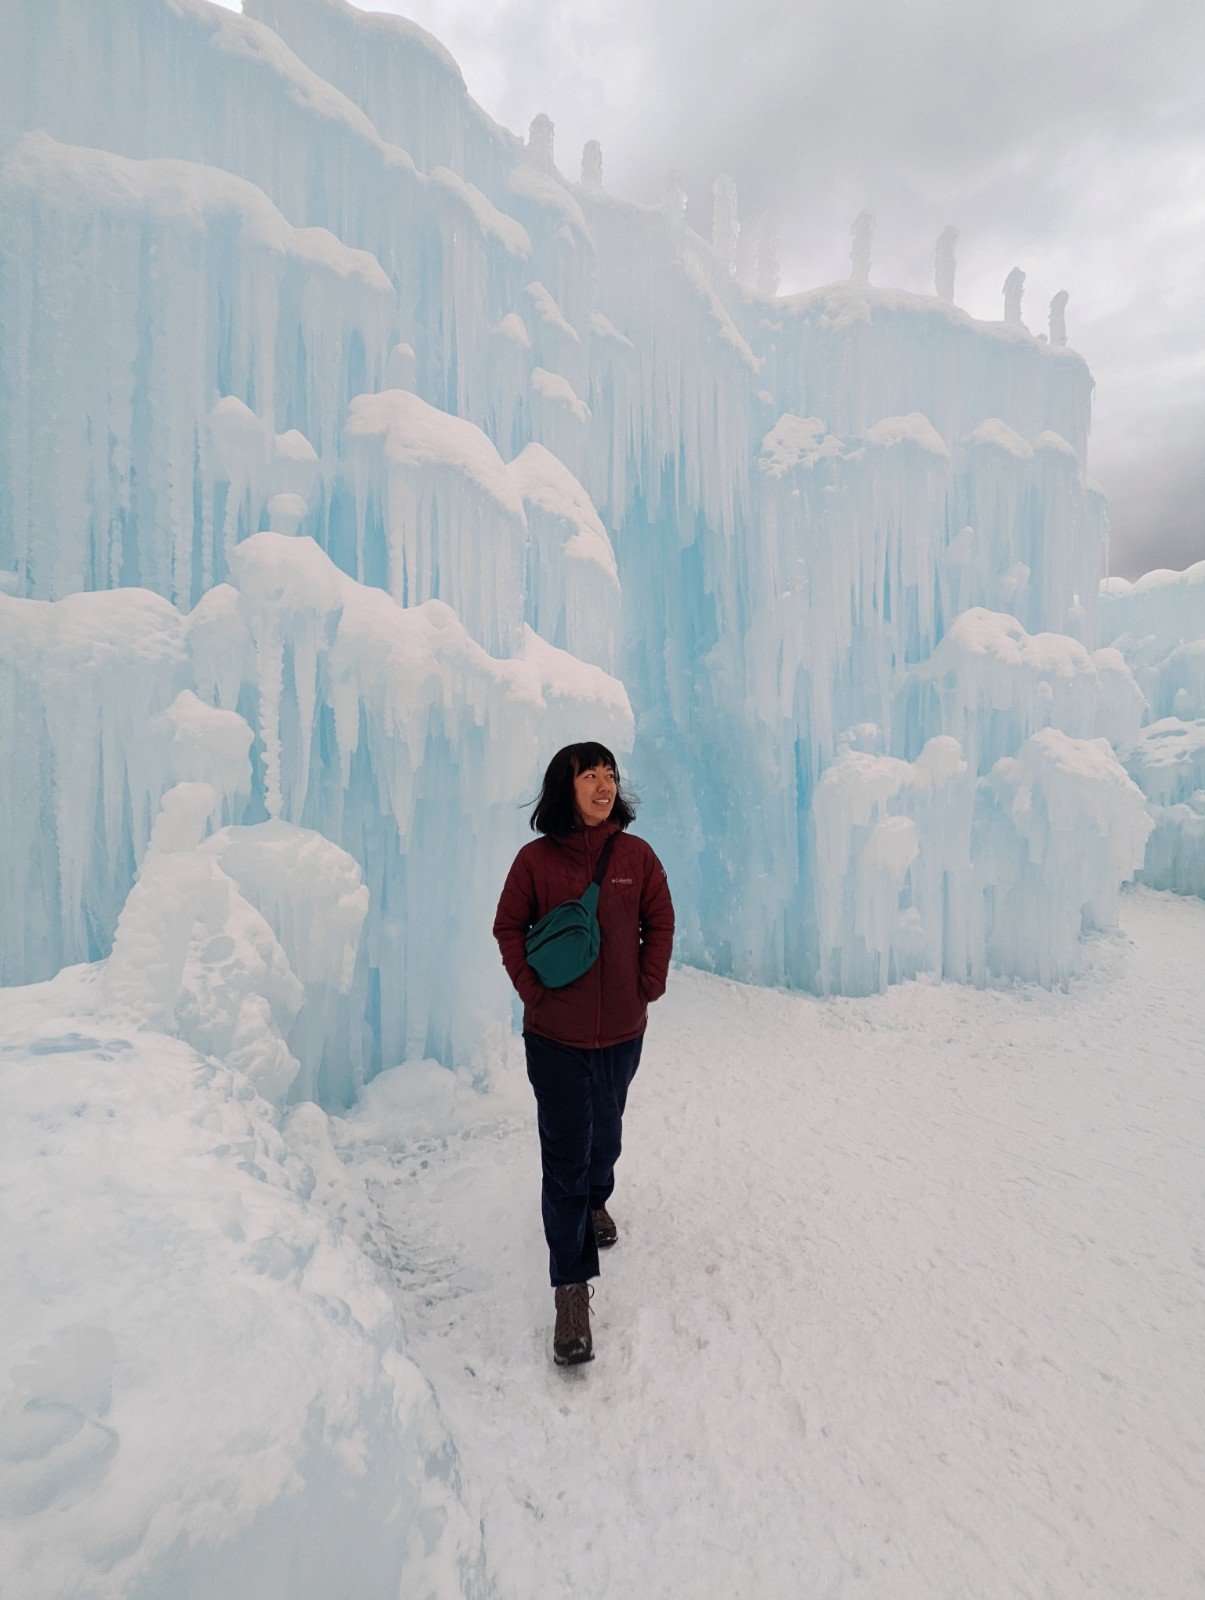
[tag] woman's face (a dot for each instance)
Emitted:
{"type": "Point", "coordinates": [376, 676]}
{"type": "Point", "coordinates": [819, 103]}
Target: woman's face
{"type": "Point", "coordinates": [594, 792]}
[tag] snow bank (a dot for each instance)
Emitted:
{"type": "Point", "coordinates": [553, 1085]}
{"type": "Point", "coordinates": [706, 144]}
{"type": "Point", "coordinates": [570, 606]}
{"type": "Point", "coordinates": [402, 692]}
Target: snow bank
{"type": "Point", "coordinates": [191, 957]}
{"type": "Point", "coordinates": [246, 946]}
{"type": "Point", "coordinates": [208, 1388]}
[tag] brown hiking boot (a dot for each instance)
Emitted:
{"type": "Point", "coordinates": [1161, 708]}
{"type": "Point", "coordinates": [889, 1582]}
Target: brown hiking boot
{"type": "Point", "coordinates": [605, 1231]}
{"type": "Point", "coordinates": [571, 1342]}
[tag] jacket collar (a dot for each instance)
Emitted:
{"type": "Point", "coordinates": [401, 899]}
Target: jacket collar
{"type": "Point", "coordinates": [585, 841]}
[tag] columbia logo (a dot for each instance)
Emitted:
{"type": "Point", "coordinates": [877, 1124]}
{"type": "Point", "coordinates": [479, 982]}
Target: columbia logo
{"type": "Point", "coordinates": [623, 880]}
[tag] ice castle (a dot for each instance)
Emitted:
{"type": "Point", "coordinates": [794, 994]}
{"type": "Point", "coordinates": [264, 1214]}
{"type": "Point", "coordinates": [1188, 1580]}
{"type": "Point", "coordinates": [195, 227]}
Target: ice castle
{"type": "Point", "coordinates": [353, 459]}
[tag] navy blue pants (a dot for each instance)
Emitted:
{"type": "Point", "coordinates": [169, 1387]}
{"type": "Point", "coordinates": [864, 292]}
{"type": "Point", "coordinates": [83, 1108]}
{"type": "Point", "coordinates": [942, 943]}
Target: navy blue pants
{"type": "Point", "coordinates": [580, 1096]}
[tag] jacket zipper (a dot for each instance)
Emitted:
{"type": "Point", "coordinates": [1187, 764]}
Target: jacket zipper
{"type": "Point", "coordinates": [598, 1013]}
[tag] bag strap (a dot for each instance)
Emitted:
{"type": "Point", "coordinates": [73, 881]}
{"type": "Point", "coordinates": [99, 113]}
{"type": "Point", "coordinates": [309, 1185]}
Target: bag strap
{"type": "Point", "coordinates": [603, 860]}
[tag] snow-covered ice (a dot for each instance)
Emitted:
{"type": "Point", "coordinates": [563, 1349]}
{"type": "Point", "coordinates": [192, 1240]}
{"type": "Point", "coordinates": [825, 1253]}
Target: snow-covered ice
{"type": "Point", "coordinates": [1158, 625]}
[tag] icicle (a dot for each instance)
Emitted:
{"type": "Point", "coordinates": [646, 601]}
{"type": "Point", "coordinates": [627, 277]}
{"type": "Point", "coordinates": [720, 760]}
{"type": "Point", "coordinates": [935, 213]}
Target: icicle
{"type": "Point", "coordinates": [725, 227]}
{"type": "Point", "coordinates": [861, 235]}
{"type": "Point", "coordinates": [269, 656]}
{"type": "Point", "coordinates": [1014, 286]}
{"type": "Point", "coordinates": [944, 264]}
{"type": "Point", "coordinates": [592, 166]}
{"type": "Point", "coordinates": [1058, 320]}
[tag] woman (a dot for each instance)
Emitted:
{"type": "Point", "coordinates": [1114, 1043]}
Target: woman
{"type": "Point", "coordinates": [583, 1040]}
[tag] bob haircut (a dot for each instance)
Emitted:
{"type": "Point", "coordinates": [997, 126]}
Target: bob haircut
{"type": "Point", "coordinates": [555, 813]}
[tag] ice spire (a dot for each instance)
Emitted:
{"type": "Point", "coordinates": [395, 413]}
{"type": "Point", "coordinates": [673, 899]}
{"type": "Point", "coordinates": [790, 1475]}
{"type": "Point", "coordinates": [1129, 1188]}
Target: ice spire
{"type": "Point", "coordinates": [540, 138]}
{"type": "Point", "coordinates": [673, 200]}
{"type": "Point", "coordinates": [1058, 318]}
{"type": "Point", "coordinates": [592, 166]}
{"type": "Point", "coordinates": [766, 257]}
{"type": "Point", "coordinates": [1014, 286]}
{"type": "Point", "coordinates": [725, 226]}
{"type": "Point", "coordinates": [944, 264]}
{"type": "Point", "coordinates": [861, 233]}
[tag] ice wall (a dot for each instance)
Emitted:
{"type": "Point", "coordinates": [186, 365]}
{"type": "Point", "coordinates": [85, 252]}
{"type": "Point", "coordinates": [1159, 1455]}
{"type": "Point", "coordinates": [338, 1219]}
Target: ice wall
{"type": "Point", "coordinates": [435, 495]}
{"type": "Point", "coordinates": [561, 415]}
{"type": "Point", "coordinates": [1158, 625]}
{"type": "Point", "coordinates": [132, 296]}
{"type": "Point", "coordinates": [82, 682]}
{"type": "Point", "coordinates": [385, 731]}
{"type": "Point", "coordinates": [194, 81]}
{"type": "Point", "coordinates": [404, 79]}
{"type": "Point", "coordinates": [923, 867]}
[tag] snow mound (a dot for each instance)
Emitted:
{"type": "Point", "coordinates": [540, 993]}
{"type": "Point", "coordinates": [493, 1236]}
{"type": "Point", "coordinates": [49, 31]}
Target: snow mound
{"type": "Point", "coordinates": [208, 1388]}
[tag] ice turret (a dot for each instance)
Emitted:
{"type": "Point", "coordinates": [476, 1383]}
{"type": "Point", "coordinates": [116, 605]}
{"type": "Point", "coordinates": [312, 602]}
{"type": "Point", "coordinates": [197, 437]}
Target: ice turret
{"type": "Point", "coordinates": [861, 236]}
{"type": "Point", "coordinates": [766, 257]}
{"type": "Point", "coordinates": [1058, 320]}
{"type": "Point", "coordinates": [1014, 286]}
{"type": "Point", "coordinates": [673, 201]}
{"type": "Point", "coordinates": [592, 166]}
{"type": "Point", "coordinates": [944, 264]}
{"type": "Point", "coordinates": [540, 139]}
{"type": "Point", "coordinates": [725, 228]}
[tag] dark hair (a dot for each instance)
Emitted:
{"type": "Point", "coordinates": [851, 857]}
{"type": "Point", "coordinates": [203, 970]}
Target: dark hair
{"type": "Point", "coordinates": [554, 812]}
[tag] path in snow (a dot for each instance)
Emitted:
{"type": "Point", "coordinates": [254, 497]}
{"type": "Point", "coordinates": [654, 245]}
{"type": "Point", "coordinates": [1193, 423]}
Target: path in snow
{"type": "Point", "coordinates": [907, 1302]}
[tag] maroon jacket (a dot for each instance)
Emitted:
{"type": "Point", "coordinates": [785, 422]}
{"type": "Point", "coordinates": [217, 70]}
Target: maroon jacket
{"type": "Point", "coordinates": [609, 1003]}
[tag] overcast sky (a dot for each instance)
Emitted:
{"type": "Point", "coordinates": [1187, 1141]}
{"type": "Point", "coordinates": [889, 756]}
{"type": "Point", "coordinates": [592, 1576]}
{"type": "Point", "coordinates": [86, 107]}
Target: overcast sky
{"type": "Point", "coordinates": [1066, 139]}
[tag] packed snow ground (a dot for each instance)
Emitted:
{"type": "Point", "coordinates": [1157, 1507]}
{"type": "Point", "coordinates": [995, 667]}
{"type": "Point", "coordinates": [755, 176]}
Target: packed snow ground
{"type": "Point", "coordinates": [907, 1300]}
{"type": "Point", "coordinates": [906, 1306]}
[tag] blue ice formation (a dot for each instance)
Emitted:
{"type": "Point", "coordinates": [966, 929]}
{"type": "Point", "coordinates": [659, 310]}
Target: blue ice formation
{"type": "Point", "coordinates": [333, 408]}
{"type": "Point", "coordinates": [1158, 625]}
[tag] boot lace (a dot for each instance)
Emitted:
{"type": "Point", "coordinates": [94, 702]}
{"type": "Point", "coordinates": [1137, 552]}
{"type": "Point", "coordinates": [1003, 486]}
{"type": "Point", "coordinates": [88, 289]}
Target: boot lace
{"type": "Point", "coordinates": [574, 1310]}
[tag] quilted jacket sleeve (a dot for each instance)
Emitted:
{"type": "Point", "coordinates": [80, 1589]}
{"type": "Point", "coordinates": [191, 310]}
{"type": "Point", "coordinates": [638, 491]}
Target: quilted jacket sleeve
{"type": "Point", "coordinates": [515, 915]}
{"type": "Point", "coordinates": [656, 928]}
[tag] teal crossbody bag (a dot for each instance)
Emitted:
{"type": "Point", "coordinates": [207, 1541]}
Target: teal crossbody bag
{"type": "Point", "coordinates": [565, 942]}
